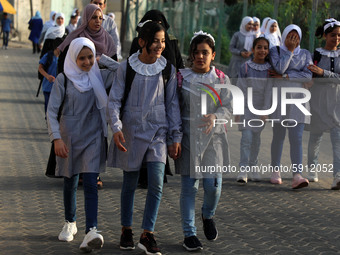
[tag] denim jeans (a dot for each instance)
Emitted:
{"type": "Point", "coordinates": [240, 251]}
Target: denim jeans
{"type": "Point", "coordinates": [153, 197]}
{"type": "Point", "coordinates": [5, 38]}
{"type": "Point", "coordinates": [91, 198]}
{"type": "Point", "coordinates": [295, 140]}
{"type": "Point", "coordinates": [212, 192]}
{"type": "Point", "coordinates": [250, 148]}
{"type": "Point", "coordinates": [314, 146]}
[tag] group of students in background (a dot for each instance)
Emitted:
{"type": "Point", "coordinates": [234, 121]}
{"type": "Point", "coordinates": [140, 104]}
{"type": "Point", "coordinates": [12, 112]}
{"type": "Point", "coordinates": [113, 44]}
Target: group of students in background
{"type": "Point", "coordinates": [279, 62]}
{"type": "Point", "coordinates": [152, 104]}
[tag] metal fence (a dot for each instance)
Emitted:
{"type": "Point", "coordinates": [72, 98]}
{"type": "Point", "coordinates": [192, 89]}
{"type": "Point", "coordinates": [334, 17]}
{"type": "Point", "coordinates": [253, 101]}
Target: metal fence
{"type": "Point", "coordinates": [222, 18]}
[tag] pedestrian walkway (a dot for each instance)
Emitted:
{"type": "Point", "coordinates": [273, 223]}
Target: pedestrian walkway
{"type": "Point", "coordinates": [257, 218]}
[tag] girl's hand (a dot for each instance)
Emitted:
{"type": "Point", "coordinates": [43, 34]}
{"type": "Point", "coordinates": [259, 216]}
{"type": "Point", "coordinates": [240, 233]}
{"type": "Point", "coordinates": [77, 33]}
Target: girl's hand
{"type": "Point", "coordinates": [208, 122]}
{"type": "Point", "coordinates": [292, 41]}
{"type": "Point", "coordinates": [51, 78]}
{"type": "Point", "coordinates": [60, 148]}
{"type": "Point", "coordinates": [246, 54]}
{"type": "Point", "coordinates": [174, 150]}
{"type": "Point", "coordinates": [315, 69]}
{"type": "Point", "coordinates": [56, 52]}
{"type": "Point", "coordinates": [118, 137]}
{"type": "Point", "coordinates": [273, 74]}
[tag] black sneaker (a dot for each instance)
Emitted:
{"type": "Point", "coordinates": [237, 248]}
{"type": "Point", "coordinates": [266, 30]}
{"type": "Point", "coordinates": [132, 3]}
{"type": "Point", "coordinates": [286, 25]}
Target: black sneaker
{"type": "Point", "coordinates": [192, 243]}
{"type": "Point", "coordinates": [209, 228]}
{"type": "Point", "coordinates": [126, 240]}
{"type": "Point", "coordinates": [148, 243]}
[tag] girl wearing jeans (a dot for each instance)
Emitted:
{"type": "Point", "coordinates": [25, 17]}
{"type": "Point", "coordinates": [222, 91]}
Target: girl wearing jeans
{"type": "Point", "coordinates": [254, 74]}
{"type": "Point", "coordinates": [142, 129]}
{"type": "Point", "coordinates": [325, 98]}
{"type": "Point", "coordinates": [79, 136]}
{"type": "Point", "coordinates": [290, 64]}
{"type": "Point", "coordinates": [204, 144]}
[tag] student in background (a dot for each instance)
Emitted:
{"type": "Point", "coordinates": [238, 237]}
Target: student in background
{"type": "Point", "coordinates": [325, 99]}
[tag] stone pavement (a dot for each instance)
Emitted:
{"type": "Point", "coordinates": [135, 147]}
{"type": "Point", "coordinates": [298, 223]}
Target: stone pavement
{"type": "Point", "coordinates": [257, 218]}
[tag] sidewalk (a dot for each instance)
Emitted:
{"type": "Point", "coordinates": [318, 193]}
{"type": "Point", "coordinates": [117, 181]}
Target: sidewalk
{"type": "Point", "coordinates": [257, 218]}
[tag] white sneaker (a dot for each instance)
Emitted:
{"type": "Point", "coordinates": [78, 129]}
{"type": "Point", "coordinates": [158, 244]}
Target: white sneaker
{"type": "Point", "coordinates": [254, 176]}
{"type": "Point", "coordinates": [68, 231]}
{"type": "Point", "coordinates": [313, 176]}
{"type": "Point", "coordinates": [92, 240]}
{"type": "Point", "coordinates": [336, 183]}
{"type": "Point", "coordinates": [242, 177]}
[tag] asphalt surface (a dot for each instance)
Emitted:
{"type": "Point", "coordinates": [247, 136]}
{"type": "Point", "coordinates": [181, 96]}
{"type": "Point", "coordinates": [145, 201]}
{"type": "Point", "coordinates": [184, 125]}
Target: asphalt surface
{"type": "Point", "coordinates": [256, 218]}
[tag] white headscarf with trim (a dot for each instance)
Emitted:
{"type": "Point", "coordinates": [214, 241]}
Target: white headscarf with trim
{"type": "Point", "coordinates": [85, 81]}
{"type": "Point", "coordinates": [286, 32]}
{"type": "Point", "coordinates": [248, 43]}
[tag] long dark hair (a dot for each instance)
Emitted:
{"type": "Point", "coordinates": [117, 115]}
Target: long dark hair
{"type": "Point", "coordinates": [320, 30]}
{"type": "Point", "coordinates": [148, 31]}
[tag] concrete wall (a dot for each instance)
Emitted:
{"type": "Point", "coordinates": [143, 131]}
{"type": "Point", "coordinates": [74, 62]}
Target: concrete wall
{"type": "Point", "coordinates": [20, 20]}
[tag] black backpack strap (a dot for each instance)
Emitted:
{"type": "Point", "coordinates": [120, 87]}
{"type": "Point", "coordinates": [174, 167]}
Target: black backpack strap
{"type": "Point", "coordinates": [278, 49]}
{"type": "Point", "coordinates": [129, 76]}
{"type": "Point", "coordinates": [62, 103]}
{"type": "Point", "coordinates": [166, 73]}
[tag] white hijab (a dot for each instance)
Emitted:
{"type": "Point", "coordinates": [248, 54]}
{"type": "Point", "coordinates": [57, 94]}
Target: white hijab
{"type": "Point", "coordinates": [56, 30]}
{"type": "Point", "coordinates": [264, 24]}
{"type": "Point", "coordinates": [50, 23]}
{"type": "Point", "coordinates": [258, 31]}
{"type": "Point", "coordinates": [284, 36]}
{"type": "Point", "coordinates": [273, 38]}
{"type": "Point", "coordinates": [85, 81]}
{"type": "Point", "coordinates": [248, 43]}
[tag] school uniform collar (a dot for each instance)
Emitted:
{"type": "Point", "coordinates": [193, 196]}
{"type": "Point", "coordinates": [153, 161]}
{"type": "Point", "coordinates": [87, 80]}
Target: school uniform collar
{"type": "Point", "coordinates": [146, 69]}
{"type": "Point", "coordinates": [190, 76]}
{"type": "Point", "coordinates": [329, 53]}
{"type": "Point", "coordinates": [258, 67]}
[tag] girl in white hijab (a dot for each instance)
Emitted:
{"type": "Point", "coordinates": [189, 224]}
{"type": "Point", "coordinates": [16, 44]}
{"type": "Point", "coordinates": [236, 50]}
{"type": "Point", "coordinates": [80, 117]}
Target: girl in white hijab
{"type": "Point", "coordinates": [256, 27]}
{"type": "Point", "coordinates": [290, 64]}
{"type": "Point", "coordinates": [273, 33]}
{"type": "Point", "coordinates": [58, 30]}
{"type": "Point", "coordinates": [246, 28]}
{"type": "Point", "coordinates": [264, 24]}
{"type": "Point", "coordinates": [80, 137]}
{"type": "Point", "coordinates": [240, 46]}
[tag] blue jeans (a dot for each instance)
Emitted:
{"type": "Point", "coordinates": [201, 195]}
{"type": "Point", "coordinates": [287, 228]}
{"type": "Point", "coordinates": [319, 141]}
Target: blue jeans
{"type": "Point", "coordinates": [212, 192]}
{"type": "Point", "coordinates": [153, 197]}
{"type": "Point", "coordinates": [5, 38]}
{"type": "Point", "coordinates": [250, 147]}
{"type": "Point", "coordinates": [91, 198]}
{"type": "Point", "coordinates": [295, 140]}
{"type": "Point", "coordinates": [314, 146]}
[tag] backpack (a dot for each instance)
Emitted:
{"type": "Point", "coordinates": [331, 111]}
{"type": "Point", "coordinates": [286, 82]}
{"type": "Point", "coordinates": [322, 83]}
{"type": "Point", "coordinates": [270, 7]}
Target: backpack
{"type": "Point", "coordinates": [52, 163]}
{"type": "Point", "coordinates": [130, 75]}
{"type": "Point", "coordinates": [49, 61]}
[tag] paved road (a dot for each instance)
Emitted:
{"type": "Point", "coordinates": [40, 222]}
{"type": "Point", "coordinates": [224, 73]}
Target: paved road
{"type": "Point", "coordinates": [257, 218]}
